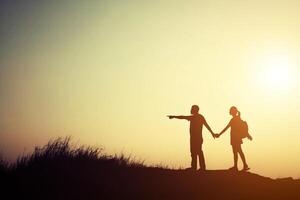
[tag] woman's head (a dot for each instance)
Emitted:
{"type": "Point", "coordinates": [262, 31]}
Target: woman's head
{"type": "Point", "coordinates": [194, 110]}
{"type": "Point", "coordinates": [234, 111]}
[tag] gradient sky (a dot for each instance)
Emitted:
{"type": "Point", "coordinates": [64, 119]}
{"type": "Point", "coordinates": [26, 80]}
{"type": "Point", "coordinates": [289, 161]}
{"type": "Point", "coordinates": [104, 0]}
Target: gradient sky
{"type": "Point", "coordinates": [108, 72]}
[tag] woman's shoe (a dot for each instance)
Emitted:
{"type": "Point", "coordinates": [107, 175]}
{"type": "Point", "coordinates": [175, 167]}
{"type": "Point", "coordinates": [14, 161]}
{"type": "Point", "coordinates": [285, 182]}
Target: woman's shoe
{"type": "Point", "coordinates": [246, 168]}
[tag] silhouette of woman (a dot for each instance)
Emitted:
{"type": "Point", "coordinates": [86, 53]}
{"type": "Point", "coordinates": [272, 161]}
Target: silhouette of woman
{"type": "Point", "coordinates": [235, 138]}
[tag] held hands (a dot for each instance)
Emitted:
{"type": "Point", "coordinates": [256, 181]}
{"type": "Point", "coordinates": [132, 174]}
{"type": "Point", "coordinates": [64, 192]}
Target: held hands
{"type": "Point", "coordinates": [215, 135]}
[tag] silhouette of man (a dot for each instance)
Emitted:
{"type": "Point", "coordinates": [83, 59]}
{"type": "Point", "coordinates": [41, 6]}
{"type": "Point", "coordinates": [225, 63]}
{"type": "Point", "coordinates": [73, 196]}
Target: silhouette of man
{"type": "Point", "coordinates": [196, 140]}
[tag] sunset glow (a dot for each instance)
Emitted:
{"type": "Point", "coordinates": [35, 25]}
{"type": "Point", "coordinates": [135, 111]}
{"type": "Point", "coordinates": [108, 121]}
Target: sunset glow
{"type": "Point", "coordinates": [108, 72]}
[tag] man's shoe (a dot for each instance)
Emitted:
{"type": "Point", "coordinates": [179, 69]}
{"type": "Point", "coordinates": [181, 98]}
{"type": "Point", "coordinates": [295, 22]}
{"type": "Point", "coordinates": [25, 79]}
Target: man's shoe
{"type": "Point", "coordinates": [202, 170]}
{"type": "Point", "coordinates": [233, 169]}
{"type": "Point", "coordinates": [190, 169]}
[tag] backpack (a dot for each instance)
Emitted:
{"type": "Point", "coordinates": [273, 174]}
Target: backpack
{"type": "Point", "coordinates": [243, 129]}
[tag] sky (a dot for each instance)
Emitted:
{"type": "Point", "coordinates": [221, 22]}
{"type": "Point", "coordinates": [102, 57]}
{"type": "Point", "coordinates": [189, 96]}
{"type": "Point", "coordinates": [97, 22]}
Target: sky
{"type": "Point", "coordinates": [107, 73]}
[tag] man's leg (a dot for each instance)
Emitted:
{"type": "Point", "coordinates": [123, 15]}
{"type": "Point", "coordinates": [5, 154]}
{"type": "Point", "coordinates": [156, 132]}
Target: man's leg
{"type": "Point", "coordinates": [193, 155]}
{"type": "Point", "coordinates": [201, 159]}
{"type": "Point", "coordinates": [194, 161]}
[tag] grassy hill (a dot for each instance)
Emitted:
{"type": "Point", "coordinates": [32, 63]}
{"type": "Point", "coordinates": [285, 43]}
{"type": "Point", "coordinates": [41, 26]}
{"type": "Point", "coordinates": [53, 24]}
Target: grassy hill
{"type": "Point", "coordinates": [60, 171]}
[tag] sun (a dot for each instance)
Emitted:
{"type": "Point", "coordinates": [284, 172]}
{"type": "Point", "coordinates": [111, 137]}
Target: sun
{"type": "Point", "coordinates": [277, 73]}
{"type": "Point", "coordinates": [277, 77]}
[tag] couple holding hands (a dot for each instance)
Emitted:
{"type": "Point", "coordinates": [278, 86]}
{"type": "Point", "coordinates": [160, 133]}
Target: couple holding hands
{"type": "Point", "coordinates": [239, 130]}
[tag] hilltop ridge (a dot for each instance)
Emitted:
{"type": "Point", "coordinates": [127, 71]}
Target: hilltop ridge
{"type": "Point", "coordinates": [58, 171]}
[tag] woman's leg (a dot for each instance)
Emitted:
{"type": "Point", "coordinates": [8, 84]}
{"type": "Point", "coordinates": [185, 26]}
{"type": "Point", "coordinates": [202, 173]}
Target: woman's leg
{"type": "Point", "coordinates": [242, 155]}
{"type": "Point", "coordinates": [235, 155]}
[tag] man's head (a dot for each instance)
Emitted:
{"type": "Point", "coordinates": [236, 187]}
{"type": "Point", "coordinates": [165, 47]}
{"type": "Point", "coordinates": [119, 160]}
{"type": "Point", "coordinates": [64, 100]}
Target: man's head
{"type": "Point", "coordinates": [194, 110]}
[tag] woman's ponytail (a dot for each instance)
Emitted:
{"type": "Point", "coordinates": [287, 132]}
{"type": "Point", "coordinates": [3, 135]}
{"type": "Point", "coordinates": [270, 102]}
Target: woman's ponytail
{"type": "Point", "coordinates": [238, 113]}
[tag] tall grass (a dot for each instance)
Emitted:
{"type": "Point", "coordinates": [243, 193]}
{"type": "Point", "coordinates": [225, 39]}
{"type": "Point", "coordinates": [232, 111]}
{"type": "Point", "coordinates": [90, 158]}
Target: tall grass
{"type": "Point", "coordinates": [61, 150]}
{"type": "Point", "coordinates": [3, 165]}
